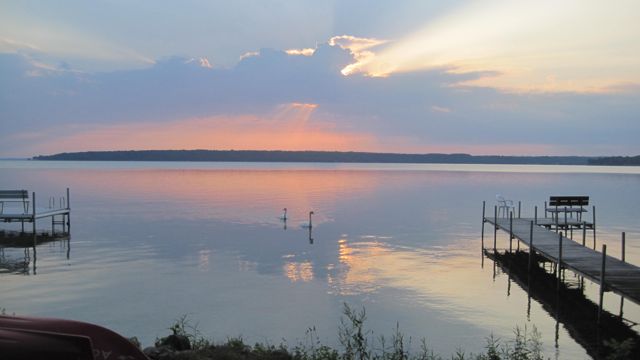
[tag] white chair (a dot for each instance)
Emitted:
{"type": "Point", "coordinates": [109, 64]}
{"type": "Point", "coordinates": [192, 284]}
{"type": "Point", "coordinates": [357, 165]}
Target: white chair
{"type": "Point", "coordinates": [504, 206]}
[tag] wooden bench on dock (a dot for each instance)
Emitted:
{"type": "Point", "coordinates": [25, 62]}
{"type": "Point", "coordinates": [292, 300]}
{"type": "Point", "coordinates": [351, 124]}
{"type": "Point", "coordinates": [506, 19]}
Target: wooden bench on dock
{"type": "Point", "coordinates": [568, 205]}
{"type": "Point", "coordinates": [14, 196]}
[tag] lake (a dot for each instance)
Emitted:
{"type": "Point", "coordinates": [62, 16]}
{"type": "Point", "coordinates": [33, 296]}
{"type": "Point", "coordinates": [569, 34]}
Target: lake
{"type": "Point", "coordinates": [151, 242]}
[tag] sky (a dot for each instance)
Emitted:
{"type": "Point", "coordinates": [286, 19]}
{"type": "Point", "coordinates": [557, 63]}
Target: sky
{"type": "Point", "coordinates": [482, 77]}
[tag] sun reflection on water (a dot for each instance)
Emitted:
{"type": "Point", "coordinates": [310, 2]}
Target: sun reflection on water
{"type": "Point", "coordinates": [299, 271]}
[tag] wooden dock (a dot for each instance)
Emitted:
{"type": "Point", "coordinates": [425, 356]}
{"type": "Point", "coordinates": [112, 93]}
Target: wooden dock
{"type": "Point", "coordinates": [59, 215]}
{"type": "Point", "coordinates": [618, 276]}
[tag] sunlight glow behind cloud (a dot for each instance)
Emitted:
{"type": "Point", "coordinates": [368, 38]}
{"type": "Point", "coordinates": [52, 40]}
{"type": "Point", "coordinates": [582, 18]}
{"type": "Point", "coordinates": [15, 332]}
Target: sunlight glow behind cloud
{"type": "Point", "coordinates": [543, 45]}
{"type": "Point", "coordinates": [303, 52]}
{"type": "Point", "coordinates": [359, 49]}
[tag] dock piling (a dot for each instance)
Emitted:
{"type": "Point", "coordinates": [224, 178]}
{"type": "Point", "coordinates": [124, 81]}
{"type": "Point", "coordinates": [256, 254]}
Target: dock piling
{"type": "Point", "coordinates": [545, 209]}
{"type": "Point", "coordinates": [535, 214]}
{"type": "Point", "coordinates": [483, 221]}
{"type": "Point", "coordinates": [511, 232]}
{"type": "Point", "coordinates": [602, 284]}
{"type": "Point", "coordinates": [594, 227]}
{"type": "Point", "coordinates": [495, 227]}
{"type": "Point", "coordinates": [623, 260]}
{"type": "Point", "coordinates": [584, 233]}
{"type": "Point", "coordinates": [530, 247]}
{"type": "Point", "coordinates": [559, 266]}
{"type": "Point", "coordinates": [623, 244]}
{"type": "Point", "coordinates": [33, 212]}
{"type": "Point", "coordinates": [519, 204]}
{"type": "Point", "coordinates": [69, 212]}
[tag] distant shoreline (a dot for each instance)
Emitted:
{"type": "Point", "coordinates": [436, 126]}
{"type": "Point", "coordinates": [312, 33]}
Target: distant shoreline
{"type": "Point", "coordinates": [332, 157]}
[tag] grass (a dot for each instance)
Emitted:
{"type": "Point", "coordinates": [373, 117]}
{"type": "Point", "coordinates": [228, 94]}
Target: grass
{"type": "Point", "coordinates": [356, 343]}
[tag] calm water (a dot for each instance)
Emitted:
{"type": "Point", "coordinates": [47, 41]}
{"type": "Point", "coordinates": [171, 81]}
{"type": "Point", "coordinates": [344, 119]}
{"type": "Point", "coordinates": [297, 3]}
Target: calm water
{"type": "Point", "coordinates": [153, 241]}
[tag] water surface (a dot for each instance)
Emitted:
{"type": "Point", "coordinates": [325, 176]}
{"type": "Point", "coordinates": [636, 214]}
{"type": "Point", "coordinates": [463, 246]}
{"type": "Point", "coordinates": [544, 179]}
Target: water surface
{"type": "Point", "coordinates": [153, 241]}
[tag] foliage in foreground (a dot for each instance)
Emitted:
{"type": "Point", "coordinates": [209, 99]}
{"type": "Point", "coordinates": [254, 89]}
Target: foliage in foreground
{"type": "Point", "coordinates": [356, 343]}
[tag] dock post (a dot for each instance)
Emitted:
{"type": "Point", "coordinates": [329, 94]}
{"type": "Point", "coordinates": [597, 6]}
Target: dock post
{"type": "Point", "coordinates": [33, 212]}
{"type": "Point", "coordinates": [530, 247]}
{"type": "Point", "coordinates": [566, 227]}
{"type": "Point", "coordinates": [545, 209]}
{"type": "Point", "coordinates": [33, 217]}
{"type": "Point", "coordinates": [622, 297]}
{"type": "Point", "coordinates": [483, 221]}
{"type": "Point", "coordinates": [584, 233]}
{"type": "Point", "coordinates": [511, 232]}
{"type": "Point", "coordinates": [519, 203]}
{"type": "Point", "coordinates": [602, 279]}
{"type": "Point", "coordinates": [495, 227]}
{"type": "Point", "coordinates": [623, 244]}
{"type": "Point", "coordinates": [69, 213]}
{"type": "Point", "coordinates": [535, 214]}
{"type": "Point", "coordinates": [559, 267]}
{"type": "Point", "coordinates": [594, 227]}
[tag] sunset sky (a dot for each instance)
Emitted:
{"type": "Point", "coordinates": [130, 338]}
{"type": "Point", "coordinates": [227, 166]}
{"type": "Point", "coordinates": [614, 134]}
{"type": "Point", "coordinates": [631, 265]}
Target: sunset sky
{"type": "Point", "coordinates": [481, 77]}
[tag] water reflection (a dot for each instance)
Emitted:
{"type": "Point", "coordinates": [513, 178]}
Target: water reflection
{"type": "Point", "coordinates": [212, 243]}
{"type": "Point", "coordinates": [234, 196]}
{"type": "Point", "coordinates": [18, 250]}
{"type": "Point", "coordinates": [299, 271]}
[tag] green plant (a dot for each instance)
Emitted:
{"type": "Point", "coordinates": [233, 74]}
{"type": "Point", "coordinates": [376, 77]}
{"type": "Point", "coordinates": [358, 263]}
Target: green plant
{"type": "Point", "coordinates": [312, 349]}
{"type": "Point", "coordinates": [425, 352]}
{"type": "Point", "coordinates": [183, 327]}
{"type": "Point", "coordinates": [525, 346]}
{"type": "Point", "coordinates": [398, 346]}
{"type": "Point", "coordinates": [352, 335]}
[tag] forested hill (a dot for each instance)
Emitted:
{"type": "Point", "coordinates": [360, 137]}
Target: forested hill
{"type": "Point", "coordinates": [309, 156]}
{"type": "Point", "coordinates": [616, 160]}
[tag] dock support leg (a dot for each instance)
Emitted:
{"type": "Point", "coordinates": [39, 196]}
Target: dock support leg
{"type": "Point", "coordinates": [559, 266]}
{"type": "Point", "coordinates": [623, 244]}
{"type": "Point", "coordinates": [535, 214]}
{"type": "Point", "coordinates": [495, 227]}
{"type": "Point", "coordinates": [602, 280]}
{"type": "Point", "coordinates": [33, 214]}
{"type": "Point", "coordinates": [584, 233]}
{"type": "Point", "coordinates": [530, 247]}
{"type": "Point", "coordinates": [519, 205]}
{"type": "Point", "coordinates": [545, 209]}
{"type": "Point", "coordinates": [594, 227]}
{"type": "Point", "coordinates": [510, 232]}
{"type": "Point", "coordinates": [69, 212]}
{"type": "Point", "coordinates": [483, 221]}
{"type": "Point", "coordinates": [623, 260]}
{"type": "Point", "coordinates": [566, 226]}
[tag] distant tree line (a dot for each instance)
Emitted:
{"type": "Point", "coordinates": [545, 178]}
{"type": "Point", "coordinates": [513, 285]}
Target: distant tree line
{"type": "Point", "coordinates": [616, 160]}
{"type": "Point", "coordinates": [310, 156]}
